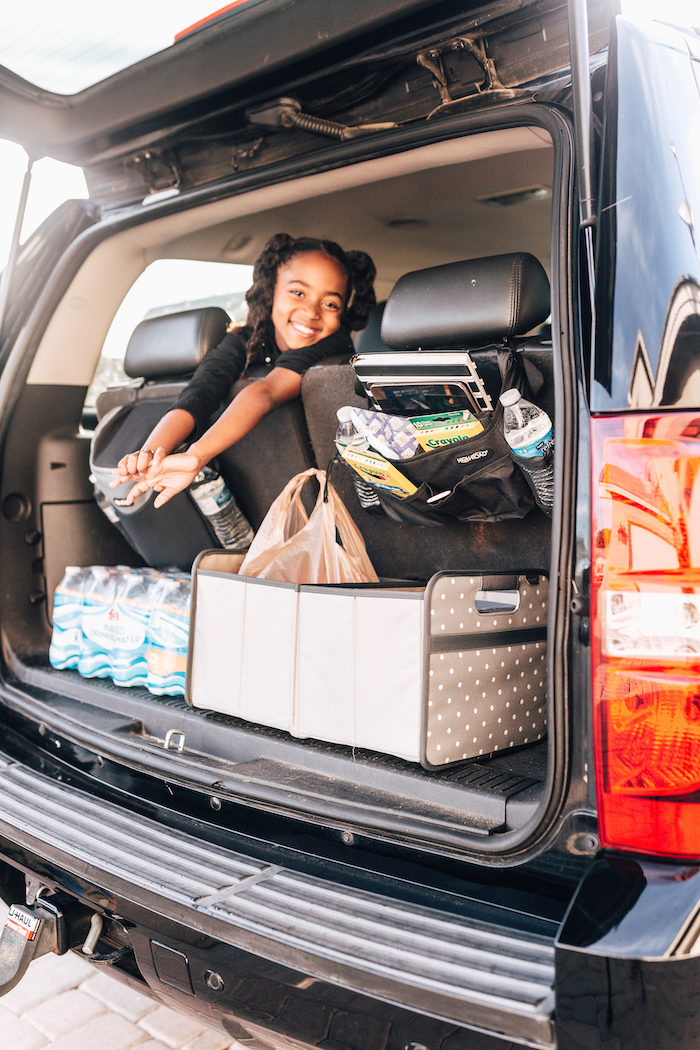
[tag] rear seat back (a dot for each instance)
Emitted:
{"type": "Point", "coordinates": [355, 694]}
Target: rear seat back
{"type": "Point", "coordinates": [259, 466]}
{"type": "Point", "coordinates": [162, 354]}
{"type": "Point", "coordinates": [513, 300]}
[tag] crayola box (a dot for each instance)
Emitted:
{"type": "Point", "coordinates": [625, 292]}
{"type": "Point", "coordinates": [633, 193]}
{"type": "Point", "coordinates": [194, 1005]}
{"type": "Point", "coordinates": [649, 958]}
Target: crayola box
{"type": "Point", "coordinates": [444, 419]}
{"type": "Point", "coordinates": [438, 438]}
{"type": "Point", "coordinates": [378, 471]}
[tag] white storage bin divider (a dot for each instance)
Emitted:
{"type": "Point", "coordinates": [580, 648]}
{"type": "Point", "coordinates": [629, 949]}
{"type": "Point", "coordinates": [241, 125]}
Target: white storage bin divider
{"type": "Point", "coordinates": [325, 693]}
{"type": "Point", "coordinates": [434, 675]}
{"type": "Point", "coordinates": [360, 667]}
{"type": "Point", "coordinates": [389, 661]}
{"type": "Point", "coordinates": [242, 655]}
{"type": "Point", "coordinates": [217, 628]}
{"type": "Point", "coordinates": [269, 653]}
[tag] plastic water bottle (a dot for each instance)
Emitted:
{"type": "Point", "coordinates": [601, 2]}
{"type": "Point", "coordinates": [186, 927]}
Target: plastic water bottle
{"type": "Point", "coordinates": [168, 635]}
{"type": "Point", "coordinates": [215, 500]}
{"type": "Point", "coordinates": [528, 431]}
{"type": "Point", "coordinates": [346, 435]}
{"type": "Point", "coordinates": [99, 600]}
{"type": "Point", "coordinates": [346, 428]}
{"type": "Point", "coordinates": [67, 637]}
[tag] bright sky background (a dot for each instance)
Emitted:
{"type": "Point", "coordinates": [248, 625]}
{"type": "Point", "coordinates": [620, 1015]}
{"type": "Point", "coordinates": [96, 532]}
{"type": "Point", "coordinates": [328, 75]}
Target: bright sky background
{"type": "Point", "coordinates": [91, 58]}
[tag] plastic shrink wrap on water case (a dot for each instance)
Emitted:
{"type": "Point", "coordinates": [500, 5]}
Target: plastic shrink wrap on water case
{"type": "Point", "coordinates": [130, 625]}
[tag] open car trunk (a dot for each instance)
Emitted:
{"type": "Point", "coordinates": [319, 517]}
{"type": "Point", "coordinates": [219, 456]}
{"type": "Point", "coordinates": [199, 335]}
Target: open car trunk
{"type": "Point", "coordinates": [484, 185]}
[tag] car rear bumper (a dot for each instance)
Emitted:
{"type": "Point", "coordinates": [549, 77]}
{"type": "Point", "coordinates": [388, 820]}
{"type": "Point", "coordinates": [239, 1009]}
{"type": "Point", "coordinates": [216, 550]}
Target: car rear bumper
{"type": "Point", "coordinates": [284, 959]}
{"type": "Point", "coordinates": [208, 908]}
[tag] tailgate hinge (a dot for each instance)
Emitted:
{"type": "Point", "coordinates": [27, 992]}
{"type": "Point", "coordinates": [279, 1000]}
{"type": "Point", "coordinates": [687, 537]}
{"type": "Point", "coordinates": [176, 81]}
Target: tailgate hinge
{"type": "Point", "coordinates": [159, 169]}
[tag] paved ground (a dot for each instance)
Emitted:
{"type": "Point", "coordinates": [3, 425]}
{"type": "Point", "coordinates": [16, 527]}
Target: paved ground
{"type": "Point", "coordinates": [64, 1003]}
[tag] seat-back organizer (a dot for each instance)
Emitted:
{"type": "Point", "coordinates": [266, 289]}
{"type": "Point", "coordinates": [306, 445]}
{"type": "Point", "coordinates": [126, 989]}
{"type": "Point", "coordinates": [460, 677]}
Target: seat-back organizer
{"type": "Point", "coordinates": [434, 318]}
{"type": "Point", "coordinates": [162, 354]}
{"type": "Point", "coordinates": [514, 299]}
{"type": "Point", "coordinates": [435, 673]}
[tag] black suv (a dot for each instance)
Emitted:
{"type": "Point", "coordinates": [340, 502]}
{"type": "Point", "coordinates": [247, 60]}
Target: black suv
{"type": "Point", "coordinates": [300, 891]}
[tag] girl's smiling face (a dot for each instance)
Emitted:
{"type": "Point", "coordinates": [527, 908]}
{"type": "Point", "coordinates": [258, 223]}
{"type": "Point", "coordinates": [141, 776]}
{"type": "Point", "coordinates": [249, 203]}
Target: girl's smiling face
{"type": "Point", "coordinates": [310, 296]}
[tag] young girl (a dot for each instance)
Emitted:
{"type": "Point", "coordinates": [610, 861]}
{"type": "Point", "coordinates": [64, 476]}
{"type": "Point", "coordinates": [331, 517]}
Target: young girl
{"type": "Point", "coordinates": [307, 296]}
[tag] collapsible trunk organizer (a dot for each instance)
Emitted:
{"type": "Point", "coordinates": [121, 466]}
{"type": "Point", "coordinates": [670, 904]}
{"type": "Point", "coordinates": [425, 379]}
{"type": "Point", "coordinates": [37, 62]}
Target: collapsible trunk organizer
{"type": "Point", "coordinates": [435, 674]}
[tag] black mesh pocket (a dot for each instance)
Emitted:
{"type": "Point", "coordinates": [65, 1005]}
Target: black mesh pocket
{"type": "Point", "coordinates": [412, 510]}
{"type": "Point", "coordinates": [495, 492]}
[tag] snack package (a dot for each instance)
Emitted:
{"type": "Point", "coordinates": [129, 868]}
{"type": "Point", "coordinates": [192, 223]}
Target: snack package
{"type": "Point", "coordinates": [391, 436]}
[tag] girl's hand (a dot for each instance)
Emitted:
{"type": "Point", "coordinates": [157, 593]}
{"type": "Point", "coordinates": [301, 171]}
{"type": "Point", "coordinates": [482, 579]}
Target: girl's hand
{"type": "Point", "coordinates": [167, 434]}
{"type": "Point", "coordinates": [133, 466]}
{"type": "Point", "coordinates": [168, 475]}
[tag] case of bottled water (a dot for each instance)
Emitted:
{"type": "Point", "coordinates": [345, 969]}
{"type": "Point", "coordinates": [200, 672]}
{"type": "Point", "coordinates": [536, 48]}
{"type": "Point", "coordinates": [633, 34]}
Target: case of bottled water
{"type": "Point", "coordinates": [130, 625]}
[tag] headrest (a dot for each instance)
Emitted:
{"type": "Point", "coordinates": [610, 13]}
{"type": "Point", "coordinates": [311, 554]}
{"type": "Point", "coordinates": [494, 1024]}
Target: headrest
{"type": "Point", "coordinates": [368, 340]}
{"type": "Point", "coordinates": [468, 303]}
{"type": "Point", "coordinates": [174, 344]}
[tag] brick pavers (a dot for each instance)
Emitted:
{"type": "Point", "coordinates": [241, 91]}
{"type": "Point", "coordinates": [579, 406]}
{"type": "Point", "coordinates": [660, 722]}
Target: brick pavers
{"type": "Point", "coordinates": [64, 1003]}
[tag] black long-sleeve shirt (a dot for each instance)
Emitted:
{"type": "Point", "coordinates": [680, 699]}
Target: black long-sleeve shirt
{"type": "Point", "coordinates": [211, 384]}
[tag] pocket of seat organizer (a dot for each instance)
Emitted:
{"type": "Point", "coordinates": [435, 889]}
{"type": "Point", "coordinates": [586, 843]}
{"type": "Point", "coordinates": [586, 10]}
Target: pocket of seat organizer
{"type": "Point", "coordinates": [495, 493]}
{"type": "Point", "coordinates": [413, 510]}
{"type": "Point", "coordinates": [472, 480]}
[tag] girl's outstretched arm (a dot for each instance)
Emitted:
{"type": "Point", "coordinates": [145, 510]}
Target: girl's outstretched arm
{"type": "Point", "coordinates": [169, 475]}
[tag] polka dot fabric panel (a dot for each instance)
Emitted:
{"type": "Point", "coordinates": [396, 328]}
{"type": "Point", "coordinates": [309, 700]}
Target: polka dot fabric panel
{"type": "Point", "coordinates": [486, 666]}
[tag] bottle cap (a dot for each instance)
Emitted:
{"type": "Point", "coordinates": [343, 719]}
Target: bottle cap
{"type": "Point", "coordinates": [510, 397]}
{"type": "Point", "coordinates": [344, 414]}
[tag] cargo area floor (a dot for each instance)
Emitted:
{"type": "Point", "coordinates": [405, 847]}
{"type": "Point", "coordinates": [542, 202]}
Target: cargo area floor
{"type": "Point", "coordinates": [267, 767]}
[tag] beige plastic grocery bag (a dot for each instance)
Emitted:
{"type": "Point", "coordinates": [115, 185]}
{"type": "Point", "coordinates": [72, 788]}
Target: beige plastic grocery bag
{"type": "Point", "coordinates": [295, 547]}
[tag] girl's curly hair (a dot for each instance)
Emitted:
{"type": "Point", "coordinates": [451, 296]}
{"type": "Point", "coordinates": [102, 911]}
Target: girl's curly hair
{"type": "Point", "coordinates": [277, 252]}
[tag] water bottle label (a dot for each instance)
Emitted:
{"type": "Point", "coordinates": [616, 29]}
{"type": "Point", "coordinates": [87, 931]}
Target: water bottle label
{"type": "Point", "coordinates": [114, 630]}
{"type": "Point", "coordinates": [536, 449]}
{"type": "Point", "coordinates": [211, 505]}
{"type": "Point", "coordinates": [222, 498]}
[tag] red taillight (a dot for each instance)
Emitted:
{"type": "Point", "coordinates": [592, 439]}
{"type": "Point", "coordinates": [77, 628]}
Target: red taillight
{"type": "Point", "coordinates": [645, 618]}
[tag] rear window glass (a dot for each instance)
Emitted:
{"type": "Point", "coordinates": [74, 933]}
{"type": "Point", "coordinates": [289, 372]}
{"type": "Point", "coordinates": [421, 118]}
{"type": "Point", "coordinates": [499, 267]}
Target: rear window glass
{"type": "Point", "coordinates": [67, 47]}
{"type": "Point", "coordinates": [168, 286]}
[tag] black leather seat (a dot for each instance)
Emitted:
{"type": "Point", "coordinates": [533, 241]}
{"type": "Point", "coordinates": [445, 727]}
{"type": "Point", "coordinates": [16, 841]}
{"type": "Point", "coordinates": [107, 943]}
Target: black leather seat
{"type": "Point", "coordinates": [163, 353]}
{"type": "Point", "coordinates": [369, 339]}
